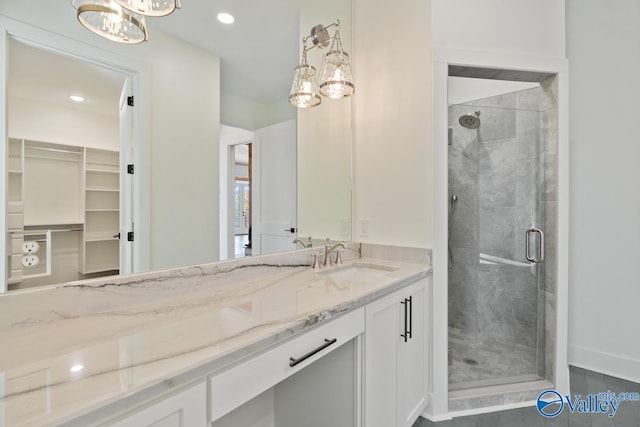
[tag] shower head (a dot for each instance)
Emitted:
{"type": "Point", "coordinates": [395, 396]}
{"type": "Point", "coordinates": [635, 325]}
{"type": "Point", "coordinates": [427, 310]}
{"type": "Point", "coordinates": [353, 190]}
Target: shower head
{"type": "Point", "coordinates": [470, 121]}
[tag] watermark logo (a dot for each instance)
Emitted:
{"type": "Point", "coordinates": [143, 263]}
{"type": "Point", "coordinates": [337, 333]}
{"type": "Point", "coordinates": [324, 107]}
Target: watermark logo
{"type": "Point", "coordinates": [550, 403]}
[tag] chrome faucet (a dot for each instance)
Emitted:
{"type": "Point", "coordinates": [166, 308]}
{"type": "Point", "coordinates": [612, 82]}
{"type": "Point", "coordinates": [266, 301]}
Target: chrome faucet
{"type": "Point", "coordinates": [304, 245]}
{"type": "Point", "coordinates": [328, 249]}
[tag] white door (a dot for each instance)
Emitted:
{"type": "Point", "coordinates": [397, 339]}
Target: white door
{"type": "Point", "coordinates": [274, 192]}
{"type": "Point", "coordinates": [126, 179]}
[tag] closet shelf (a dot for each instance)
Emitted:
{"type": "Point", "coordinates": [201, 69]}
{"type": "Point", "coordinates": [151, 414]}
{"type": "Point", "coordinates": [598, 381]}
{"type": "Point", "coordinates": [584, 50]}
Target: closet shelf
{"type": "Point", "coordinates": [100, 236]}
{"type": "Point", "coordinates": [112, 190]}
{"type": "Point", "coordinates": [101, 268]}
{"type": "Point", "coordinates": [102, 210]}
{"type": "Point", "coordinates": [112, 172]}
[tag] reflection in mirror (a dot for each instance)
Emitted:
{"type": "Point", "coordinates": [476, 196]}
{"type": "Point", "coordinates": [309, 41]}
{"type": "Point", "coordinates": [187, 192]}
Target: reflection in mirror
{"type": "Point", "coordinates": [257, 55]}
{"type": "Point", "coordinates": [63, 195]}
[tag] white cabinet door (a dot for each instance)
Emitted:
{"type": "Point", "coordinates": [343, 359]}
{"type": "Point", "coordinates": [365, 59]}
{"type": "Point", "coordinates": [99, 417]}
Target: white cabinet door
{"type": "Point", "coordinates": [396, 358]}
{"type": "Point", "coordinates": [412, 360]}
{"type": "Point", "coordinates": [381, 358]}
{"type": "Point", "coordinates": [185, 409]}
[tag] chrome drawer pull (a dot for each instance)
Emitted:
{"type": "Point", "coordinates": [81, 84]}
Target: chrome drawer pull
{"type": "Point", "coordinates": [293, 361]}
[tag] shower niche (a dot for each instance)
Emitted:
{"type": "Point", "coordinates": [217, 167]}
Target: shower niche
{"type": "Point", "coordinates": [502, 183]}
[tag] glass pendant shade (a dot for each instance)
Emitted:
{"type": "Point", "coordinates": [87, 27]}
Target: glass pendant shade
{"type": "Point", "coordinates": [304, 90]}
{"type": "Point", "coordinates": [150, 7]}
{"type": "Point", "coordinates": [336, 80]}
{"type": "Point", "coordinates": [109, 20]}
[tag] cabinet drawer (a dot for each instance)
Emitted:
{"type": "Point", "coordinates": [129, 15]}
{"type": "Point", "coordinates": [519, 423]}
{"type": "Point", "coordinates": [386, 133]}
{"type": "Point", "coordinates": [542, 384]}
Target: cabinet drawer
{"type": "Point", "coordinates": [239, 384]}
{"type": "Point", "coordinates": [15, 221]}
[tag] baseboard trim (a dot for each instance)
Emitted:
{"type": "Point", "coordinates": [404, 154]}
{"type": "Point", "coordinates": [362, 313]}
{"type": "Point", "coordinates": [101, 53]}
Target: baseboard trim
{"type": "Point", "coordinates": [613, 365]}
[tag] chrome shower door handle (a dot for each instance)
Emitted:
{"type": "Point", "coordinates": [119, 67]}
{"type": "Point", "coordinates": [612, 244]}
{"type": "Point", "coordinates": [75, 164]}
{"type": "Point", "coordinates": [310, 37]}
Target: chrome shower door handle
{"type": "Point", "coordinates": [527, 249]}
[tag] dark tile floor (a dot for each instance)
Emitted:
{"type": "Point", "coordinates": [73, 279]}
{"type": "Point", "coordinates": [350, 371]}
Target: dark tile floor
{"type": "Point", "coordinates": [583, 382]}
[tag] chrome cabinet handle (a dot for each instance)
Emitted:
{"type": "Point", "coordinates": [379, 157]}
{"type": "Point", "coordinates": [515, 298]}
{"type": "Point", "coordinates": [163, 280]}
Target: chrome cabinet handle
{"type": "Point", "coordinates": [527, 250]}
{"type": "Point", "coordinates": [293, 361]}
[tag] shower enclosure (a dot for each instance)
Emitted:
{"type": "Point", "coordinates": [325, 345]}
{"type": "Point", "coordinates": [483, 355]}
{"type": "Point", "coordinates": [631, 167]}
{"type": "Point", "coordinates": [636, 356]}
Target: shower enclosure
{"type": "Point", "coordinates": [502, 165]}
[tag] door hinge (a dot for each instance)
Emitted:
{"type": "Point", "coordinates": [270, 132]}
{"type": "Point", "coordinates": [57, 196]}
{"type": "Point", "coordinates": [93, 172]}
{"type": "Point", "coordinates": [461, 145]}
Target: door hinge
{"type": "Point", "coordinates": [130, 101]}
{"type": "Point", "coordinates": [130, 236]}
{"type": "Point", "coordinates": [130, 169]}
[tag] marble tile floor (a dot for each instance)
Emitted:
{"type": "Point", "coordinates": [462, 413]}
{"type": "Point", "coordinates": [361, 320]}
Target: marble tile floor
{"type": "Point", "coordinates": [583, 382]}
{"type": "Point", "coordinates": [497, 362]}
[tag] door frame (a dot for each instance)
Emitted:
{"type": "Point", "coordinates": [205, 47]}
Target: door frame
{"type": "Point", "coordinates": [140, 75]}
{"type": "Point", "coordinates": [442, 57]}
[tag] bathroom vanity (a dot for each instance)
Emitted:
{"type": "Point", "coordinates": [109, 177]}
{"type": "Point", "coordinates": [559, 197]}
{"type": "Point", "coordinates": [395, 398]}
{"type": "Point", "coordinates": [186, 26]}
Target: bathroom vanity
{"type": "Point", "coordinates": [254, 342]}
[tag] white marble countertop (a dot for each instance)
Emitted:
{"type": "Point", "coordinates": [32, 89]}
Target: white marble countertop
{"type": "Point", "coordinates": [142, 335]}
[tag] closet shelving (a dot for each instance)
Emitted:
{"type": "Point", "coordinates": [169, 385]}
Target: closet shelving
{"type": "Point", "coordinates": [102, 211]}
{"type": "Point", "coordinates": [63, 188]}
{"type": "Point", "coordinates": [15, 210]}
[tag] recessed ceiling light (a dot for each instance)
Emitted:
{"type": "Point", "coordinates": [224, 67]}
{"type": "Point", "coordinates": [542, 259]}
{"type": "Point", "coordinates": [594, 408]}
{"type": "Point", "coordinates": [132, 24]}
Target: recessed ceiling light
{"type": "Point", "coordinates": [226, 18]}
{"type": "Point", "coordinates": [76, 368]}
{"type": "Point", "coordinates": [76, 98]}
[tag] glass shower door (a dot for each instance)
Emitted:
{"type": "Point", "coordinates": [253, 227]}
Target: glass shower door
{"type": "Point", "coordinates": [499, 175]}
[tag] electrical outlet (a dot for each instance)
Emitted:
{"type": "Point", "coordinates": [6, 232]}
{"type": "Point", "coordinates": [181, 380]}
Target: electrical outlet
{"type": "Point", "coordinates": [30, 260]}
{"type": "Point", "coordinates": [345, 226]}
{"type": "Point", "coordinates": [30, 247]}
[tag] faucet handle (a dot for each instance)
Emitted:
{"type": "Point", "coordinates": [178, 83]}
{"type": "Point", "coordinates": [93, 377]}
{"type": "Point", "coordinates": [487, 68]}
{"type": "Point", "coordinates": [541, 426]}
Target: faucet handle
{"type": "Point", "coordinates": [309, 242]}
{"type": "Point", "coordinates": [339, 256]}
{"type": "Point", "coordinates": [316, 263]}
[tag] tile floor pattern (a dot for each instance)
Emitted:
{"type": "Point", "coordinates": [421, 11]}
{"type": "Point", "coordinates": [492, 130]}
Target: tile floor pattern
{"type": "Point", "coordinates": [514, 360]}
{"type": "Point", "coordinates": [583, 382]}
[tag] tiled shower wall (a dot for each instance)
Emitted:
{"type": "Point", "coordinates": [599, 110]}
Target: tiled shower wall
{"type": "Point", "coordinates": [504, 175]}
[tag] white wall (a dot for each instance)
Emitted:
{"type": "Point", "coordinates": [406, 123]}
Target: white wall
{"type": "Point", "coordinates": [325, 139]}
{"type": "Point", "coordinates": [393, 185]}
{"type": "Point", "coordinates": [38, 121]}
{"type": "Point", "coordinates": [184, 155]}
{"type": "Point", "coordinates": [603, 46]}
{"type": "Point", "coordinates": [248, 114]}
{"type": "Point", "coordinates": [183, 151]}
{"type": "Point", "coordinates": [531, 27]}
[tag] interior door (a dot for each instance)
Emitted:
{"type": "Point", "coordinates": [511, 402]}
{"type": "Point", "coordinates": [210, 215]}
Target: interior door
{"type": "Point", "coordinates": [126, 179]}
{"type": "Point", "coordinates": [274, 195]}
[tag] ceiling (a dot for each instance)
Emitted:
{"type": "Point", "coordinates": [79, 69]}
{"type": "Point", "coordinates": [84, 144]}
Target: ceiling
{"type": "Point", "coordinates": [258, 52]}
{"type": "Point", "coordinates": [64, 76]}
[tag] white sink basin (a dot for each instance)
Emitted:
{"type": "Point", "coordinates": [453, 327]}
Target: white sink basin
{"type": "Point", "coordinates": [358, 272]}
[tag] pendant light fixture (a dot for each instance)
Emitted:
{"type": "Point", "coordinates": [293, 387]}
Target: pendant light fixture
{"type": "Point", "coordinates": [151, 7]}
{"type": "Point", "coordinates": [121, 20]}
{"type": "Point", "coordinates": [304, 90]}
{"type": "Point", "coordinates": [108, 19]}
{"type": "Point", "coordinates": [335, 80]}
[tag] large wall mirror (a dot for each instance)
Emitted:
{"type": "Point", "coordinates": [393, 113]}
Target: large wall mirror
{"type": "Point", "coordinates": [267, 174]}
